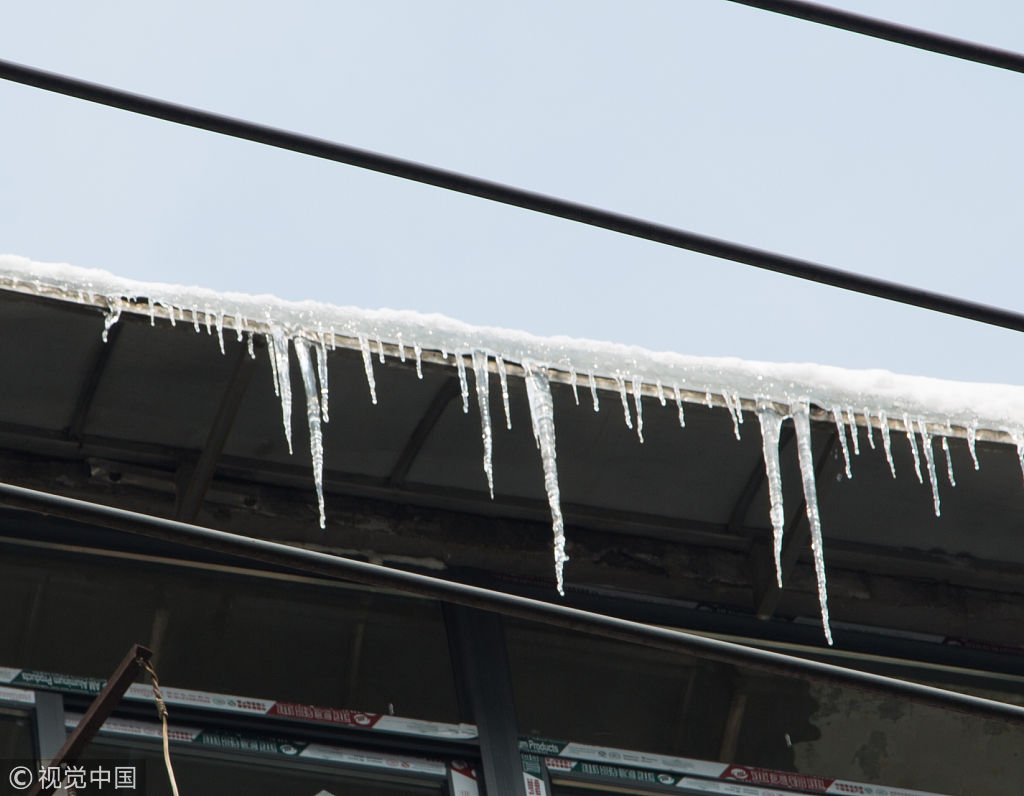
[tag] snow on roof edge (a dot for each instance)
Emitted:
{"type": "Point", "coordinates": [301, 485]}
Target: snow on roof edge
{"type": "Point", "coordinates": [939, 402]}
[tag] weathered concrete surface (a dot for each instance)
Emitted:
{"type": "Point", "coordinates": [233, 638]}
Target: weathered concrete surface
{"type": "Point", "coordinates": [900, 744]}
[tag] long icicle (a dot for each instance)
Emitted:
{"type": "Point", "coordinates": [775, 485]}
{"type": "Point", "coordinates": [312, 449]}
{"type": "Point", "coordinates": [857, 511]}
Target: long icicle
{"type": "Point", "coordinates": [871, 428]}
{"type": "Point", "coordinates": [503, 381]}
{"type": "Point", "coordinates": [316, 442]}
{"type": "Point", "coordinates": [364, 347]}
{"type": "Point", "coordinates": [483, 399]}
{"type": "Point", "coordinates": [460, 367]}
{"type": "Point", "coordinates": [929, 460]}
{"type": "Point", "coordinates": [542, 414]}
{"type": "Point", "coordinates": [279, 341]}
{"type": "Point", "coordinates": [771, 427]}
{"type": "Point", "coordinates": [802, 422]}
{"type": "Point", "coordinates": [909, 426]}
{"type": "Point", "coordinates": [837, 415]}
{"type": "Point", "coordinates": [625, 401]}
{"type": "Point", "coordinates": [949, 458]}
{"type": "Point", "coordinates": [638, 387]}
{"type": "Point", "coordinates": [321, 372]}
{"type": "Point", "coordinates": [851, 419]}
{"type": "Point", "coordinates": [883, 423]}
{"type": "Point", "coordinates": [972, 442]}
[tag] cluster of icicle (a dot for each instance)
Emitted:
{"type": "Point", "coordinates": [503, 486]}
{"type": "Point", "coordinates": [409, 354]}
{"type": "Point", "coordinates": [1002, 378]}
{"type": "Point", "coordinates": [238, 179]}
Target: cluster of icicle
{"type": "Point", "coordinates": [779, 391]}
{"type": "Point", "coordinates": [537, 380]}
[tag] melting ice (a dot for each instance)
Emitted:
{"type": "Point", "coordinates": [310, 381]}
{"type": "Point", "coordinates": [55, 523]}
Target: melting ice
{"type": "Point", "coordinates": [779, 391]}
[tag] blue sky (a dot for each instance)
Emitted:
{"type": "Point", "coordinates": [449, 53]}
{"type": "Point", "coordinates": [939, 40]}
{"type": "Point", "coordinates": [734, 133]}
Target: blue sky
{"type": "Point", "coordinates": [701, 114]}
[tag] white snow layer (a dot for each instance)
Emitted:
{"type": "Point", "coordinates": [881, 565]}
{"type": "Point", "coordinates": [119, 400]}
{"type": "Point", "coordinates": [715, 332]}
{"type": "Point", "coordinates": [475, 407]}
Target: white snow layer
{"type": "Point", "coordinates": [770, 391]}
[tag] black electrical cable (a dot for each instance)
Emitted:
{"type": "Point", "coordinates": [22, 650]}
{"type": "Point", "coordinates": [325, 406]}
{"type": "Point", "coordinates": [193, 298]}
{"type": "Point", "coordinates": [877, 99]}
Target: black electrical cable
{"type": "Point", "coordinates": [891, 31]}
{"type": "Point", "coordinates": [336, 567]}
{"type": "Point", "coordinates": [506, 194]}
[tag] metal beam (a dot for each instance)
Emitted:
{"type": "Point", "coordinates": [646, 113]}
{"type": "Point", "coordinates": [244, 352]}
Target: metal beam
{"type": "Point", "coordinates": [92, 383]}
{"type": "Point", "coordinates": [570, 619]}
{"type": "Point", "coordinates": [444, 396]}
{"type": "Point", "coordinates": [201, 473]}
{"type": "Point", "coordinates": [480, 663]}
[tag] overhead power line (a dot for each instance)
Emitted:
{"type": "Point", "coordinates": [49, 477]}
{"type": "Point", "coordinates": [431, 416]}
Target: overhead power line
{"type": "Point", "coordinates": [509, 195]}
{"type": "Point", "coordinates": [573, 619]}
{"type": "Point", "coordinates": [891, 31]}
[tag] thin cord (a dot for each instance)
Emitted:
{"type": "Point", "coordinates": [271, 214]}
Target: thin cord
{"type": "Point", "coordinates": [161, 709]}
{"type": "Point", "coordinates": [509, 195]}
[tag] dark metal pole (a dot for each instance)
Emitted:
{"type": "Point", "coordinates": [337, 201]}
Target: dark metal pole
{"type": "Point", "coordinates": [508, 604]}
{"type": "Point", "coordinates": [101, 707]}
{"type": "Point", "coordinates": [891, 31]}
{"type": "Point", "coordinates": [509, 195]}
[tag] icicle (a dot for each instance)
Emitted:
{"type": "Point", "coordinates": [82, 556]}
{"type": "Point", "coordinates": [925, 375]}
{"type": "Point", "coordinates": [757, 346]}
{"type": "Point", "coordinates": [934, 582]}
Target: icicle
{"type": "Point", "coordinates": [542, 414]}
{"type": "Point", "coordinates": [401, 350]}
{"type": "Point", "coordinates": [152, 312]}
{"type": "Point", "coordinates": [913, 446]}
{"type": "Point", "coordinates": [637, 390]}
{"type": "Point", "coordinates": [837, 415]}
{"type": "Point", "coordinates": [972, 437]}
{"type": "Point", "coordinates": [771, 426]}
{"type": "Point", "coordinates": [419, 360]}
{"type": "Point", "coordinates": [111, 316]}
{"type": "Point", "coordinates": [334, 341]}
{"type": "Point", "coordinates": [503, 380]}
{"type": "Point", "coordinates": [871, 428]}
{"type": "Point", "coordinates": [282, 370]}
{"type": "Point", "coordinates": [209, 320]}
{"type": "Point", "coordinates": [239, 326]}
{"type": "Point", "coordinates": [364, 347]}
{"type": "Point", "coordinates": [625, 401]}
{"type": "Point", "coordinates": [732, 413]}
{"type": "Point", "coordinates": [316, 442]}
{"type": "Point", "coordinates": [483, 399]}
{"type": "Point", "coordinates": [851, 419]}
{"type": "Point", "coordinates": [321, 372]}
{"type": "Point", "coordinates": [380, 351]}
{"type": "Point", "coordinates": [802, 422]}
{"type": "Point", "coordinates": [593, 392]}
{"type": "Point", "coordinates": [929, 460]}
{"type": "Point", "coordinates": [949, 459]}
{"type": "Point", "coordinates": [661, 392]}
{"type": "Point", "coordinates": [883, 423]}
{"type": "Point", "coordinates": [460, 365]}
{"type": "Point", "coordinates": [220, 329]}
{"type": "Point", "coordinates": [707, 399]}
{"type": "Point", "coordinates": [444, 351]}
{"type": "Point", "coordinates": [195, 318]}
{"type": "Point", "coordinates": [575, 386]}
{"type": "Point", "coordinates": [679, 405]}
{"type": "Point", "coordinates": [252, 351]}
{"type": "Point", "coordinates": [170, 313]}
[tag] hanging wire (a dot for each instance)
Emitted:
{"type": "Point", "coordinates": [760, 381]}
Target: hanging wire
{"type": "Point", "coordinates": [509, 195]}
{"type": "Point", "coordinates": [892, 31]}
{"type": "Point", "coordinates": [161, 709]}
